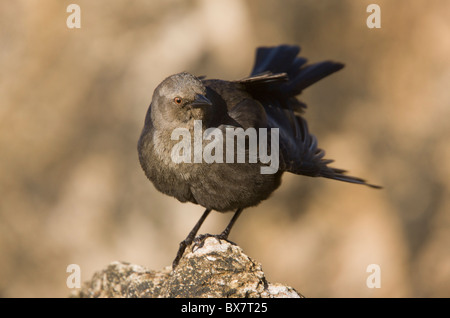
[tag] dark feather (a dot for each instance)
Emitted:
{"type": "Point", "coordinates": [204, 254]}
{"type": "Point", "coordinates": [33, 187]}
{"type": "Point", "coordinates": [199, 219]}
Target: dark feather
{"type": "Point", "coordinates": [299, 149]}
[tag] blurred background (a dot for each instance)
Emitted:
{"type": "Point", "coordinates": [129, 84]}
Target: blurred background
{"type": "Point", "coordinates": [73, 103]}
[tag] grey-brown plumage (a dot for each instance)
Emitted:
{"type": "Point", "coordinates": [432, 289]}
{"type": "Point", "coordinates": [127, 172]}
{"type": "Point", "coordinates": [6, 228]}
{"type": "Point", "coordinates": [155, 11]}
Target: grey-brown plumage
{"type": "Point", "coordinates": [266, 99]}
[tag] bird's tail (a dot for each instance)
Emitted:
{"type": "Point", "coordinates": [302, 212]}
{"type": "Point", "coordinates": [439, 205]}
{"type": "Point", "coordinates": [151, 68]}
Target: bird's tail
{"type": "Point", "coordinates": [285, 59]}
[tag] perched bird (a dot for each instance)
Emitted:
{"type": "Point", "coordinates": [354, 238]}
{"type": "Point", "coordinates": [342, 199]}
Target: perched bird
{"type": "Point", "coordinates": [184, 105]}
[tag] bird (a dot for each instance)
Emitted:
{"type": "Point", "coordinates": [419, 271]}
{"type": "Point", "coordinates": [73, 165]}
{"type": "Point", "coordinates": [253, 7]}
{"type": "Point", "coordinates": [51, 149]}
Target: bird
{"type": "Point", "coordinates": [265, 101]}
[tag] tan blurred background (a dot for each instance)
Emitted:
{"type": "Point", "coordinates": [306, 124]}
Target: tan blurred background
{"type": "Point", "coordinates": [73, 101]}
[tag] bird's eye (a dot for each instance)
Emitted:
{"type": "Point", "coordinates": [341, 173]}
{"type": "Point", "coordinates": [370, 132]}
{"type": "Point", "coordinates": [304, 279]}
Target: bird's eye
{"type": "Point", "coordinates": [178, 100]}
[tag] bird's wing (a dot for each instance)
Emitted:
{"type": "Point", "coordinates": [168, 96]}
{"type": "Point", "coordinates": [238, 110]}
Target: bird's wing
{"type": "Point", "coordinates": [278, 76]}
{"type": "Point", "coordinates": [304, 157]}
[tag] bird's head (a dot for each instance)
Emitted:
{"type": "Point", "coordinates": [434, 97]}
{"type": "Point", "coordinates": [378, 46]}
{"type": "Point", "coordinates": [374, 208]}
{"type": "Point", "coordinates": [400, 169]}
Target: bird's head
{"type": "Point", "coordinates": [180, 98]}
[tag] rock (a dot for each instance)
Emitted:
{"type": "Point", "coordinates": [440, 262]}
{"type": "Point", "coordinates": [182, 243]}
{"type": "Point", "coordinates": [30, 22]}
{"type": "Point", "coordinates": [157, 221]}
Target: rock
{"type": "Point", "coordinates": [217, 269]}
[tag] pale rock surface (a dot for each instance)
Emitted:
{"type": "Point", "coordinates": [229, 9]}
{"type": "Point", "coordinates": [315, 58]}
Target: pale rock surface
{"type": "Point", "coordinates": [218, 269]}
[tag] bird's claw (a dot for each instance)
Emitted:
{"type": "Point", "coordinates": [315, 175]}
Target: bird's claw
{"type": "Point", "coordinates": [197, 242]}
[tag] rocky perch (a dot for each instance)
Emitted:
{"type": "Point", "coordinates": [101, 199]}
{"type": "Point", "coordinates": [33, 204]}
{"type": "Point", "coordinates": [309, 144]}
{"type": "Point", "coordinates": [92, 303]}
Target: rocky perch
{"type": "Point", "coordinates": [218, 269]}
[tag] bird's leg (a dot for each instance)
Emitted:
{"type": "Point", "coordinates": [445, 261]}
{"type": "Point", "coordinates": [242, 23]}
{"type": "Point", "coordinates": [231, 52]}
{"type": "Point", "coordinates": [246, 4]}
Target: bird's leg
{"type": "Point", "coordinates": [226, 232]}
{"type": "Point", "coordinates": [188, 240]}
{"type": "Point", "coordinates": [200, 240]}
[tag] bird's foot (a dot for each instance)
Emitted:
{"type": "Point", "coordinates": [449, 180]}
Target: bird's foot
{"type": "Point", "coordinates": [199, 241]}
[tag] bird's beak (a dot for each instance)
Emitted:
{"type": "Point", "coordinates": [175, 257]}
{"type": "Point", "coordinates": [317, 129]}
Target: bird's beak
{"type": "Point", "coordinates": [201, 100]}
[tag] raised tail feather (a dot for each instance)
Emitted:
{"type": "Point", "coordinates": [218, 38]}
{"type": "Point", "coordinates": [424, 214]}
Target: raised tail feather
{"type": "Point", "coordinates": [284, 59]}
